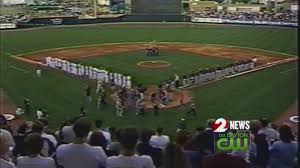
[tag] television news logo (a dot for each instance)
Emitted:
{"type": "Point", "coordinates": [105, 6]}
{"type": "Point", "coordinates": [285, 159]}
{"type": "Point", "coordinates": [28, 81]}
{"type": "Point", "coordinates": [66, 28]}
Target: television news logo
{"type": "Point", "coordinates": [231, 135]}
{"type": "Point", "coordinates": [222, 125]}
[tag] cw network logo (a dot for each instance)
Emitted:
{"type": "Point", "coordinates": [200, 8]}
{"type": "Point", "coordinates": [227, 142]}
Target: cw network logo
{"type": "Point", "coordinates": [231, 135]}
{"type": "Point", "coordinates": [222, 125]}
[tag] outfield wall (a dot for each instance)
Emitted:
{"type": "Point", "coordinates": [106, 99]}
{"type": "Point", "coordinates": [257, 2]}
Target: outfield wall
{"type": "Point", "coordinates": [250, 22]}
{"type": "Point", "coordinates": [74, 20]}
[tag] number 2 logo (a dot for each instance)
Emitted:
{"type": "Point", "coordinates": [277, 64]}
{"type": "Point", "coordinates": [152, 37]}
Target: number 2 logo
{"type": "Point", "coordinates": [220, 125]}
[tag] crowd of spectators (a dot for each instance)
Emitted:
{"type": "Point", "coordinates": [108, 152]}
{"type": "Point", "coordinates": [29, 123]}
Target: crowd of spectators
{"type": "Point", "coordinates": [13, 18]}
{"type": "Point", "coordinates": [286, 16]}
{"type": "Point", "coordinates": [77, 145]}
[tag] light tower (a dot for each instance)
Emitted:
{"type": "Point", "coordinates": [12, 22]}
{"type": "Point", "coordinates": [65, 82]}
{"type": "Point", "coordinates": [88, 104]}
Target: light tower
{"type": "Point", "coordinates": [95, 8]}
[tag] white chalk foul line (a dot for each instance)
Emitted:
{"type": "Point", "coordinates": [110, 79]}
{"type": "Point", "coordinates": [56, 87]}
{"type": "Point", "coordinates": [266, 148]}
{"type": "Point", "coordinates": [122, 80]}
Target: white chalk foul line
{"type": "Point", "coordinates": [19, 69]}
{"type": "Point", "coordinates": [291, 69]}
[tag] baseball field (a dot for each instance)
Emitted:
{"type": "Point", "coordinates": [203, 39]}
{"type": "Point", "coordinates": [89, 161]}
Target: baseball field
{"type": "Point", "coordinates": [264, 93]}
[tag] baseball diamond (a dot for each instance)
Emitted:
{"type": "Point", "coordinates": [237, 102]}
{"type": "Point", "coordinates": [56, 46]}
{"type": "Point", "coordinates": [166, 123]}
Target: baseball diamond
{"type": "Point", "coordinates": [149, 84]}
{"type": "Point", "coordinates": [201, 56]}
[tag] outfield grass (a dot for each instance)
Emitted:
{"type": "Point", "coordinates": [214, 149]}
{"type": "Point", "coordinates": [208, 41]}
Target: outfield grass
{"type": "Point", "coordinates": [265, 93]}
{"type": "Point", "coordinates": [269, 38]}
{"type": "Point", "coordinates": [181, 63]}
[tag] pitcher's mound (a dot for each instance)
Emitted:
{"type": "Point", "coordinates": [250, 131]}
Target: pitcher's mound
{"type": "Point", "coordinates": [154, 64]}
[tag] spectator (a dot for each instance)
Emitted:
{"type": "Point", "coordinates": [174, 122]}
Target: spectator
{"type": "Point", "coordinates": [46, 133]}
{"type": "Point", "coordinates": [183, 137]}
{"type": "Point", "coordinates": [159, 140]}
{"type": "Point", "coordinates": [224, 160]}
{"type": "Point", "coordinates": [46, 130]}
{"type": "Point", "coordinates": [271, 134]}
{"type": "Point", "coordinates": [255, 126]}
{"type": "Point", "coordinates": [206, 142]}
{"type": "Point", "coordinates": [283, 153]}
{"type": "Point", "coordinates": [4, 163]}
{"type": "Point", "coordinates": [19, 149]}
{"type": "Point", "coordinates": [127, 157]}
{"type": "Point", "coordinates": [67, 134]}
{"type": "Point", "coordinates": [98, 124]}
{"type": "Point", "coordinates": [174, 157]}
{"type": "Point", "coordinates": [98, 139]}
{"type": "Point", "coordinates": [80, 154]}
{"type": "Point", "coordinates": [144, 148]}
{"type": "Point", "coordinates": [5, 135]}
{"type": "Point", "coordinates": [114, 148]}
{"type": "Point", "coordinates": [49, 140]}
{"type": "Point", "coordinates": [259, 148]}
{"type": "Point", "coordinates": [34, 144]}
{"type": "Point", "coordinates": [192, 152]}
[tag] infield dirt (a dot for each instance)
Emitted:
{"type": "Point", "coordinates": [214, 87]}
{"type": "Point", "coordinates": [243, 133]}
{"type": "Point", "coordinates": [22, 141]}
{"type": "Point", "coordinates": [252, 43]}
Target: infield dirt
{"type": "Point", "coordinates": [232, 53]}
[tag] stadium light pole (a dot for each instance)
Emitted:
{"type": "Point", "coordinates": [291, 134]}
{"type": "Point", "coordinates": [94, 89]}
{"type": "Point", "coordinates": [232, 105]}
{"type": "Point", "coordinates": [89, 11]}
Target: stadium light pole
{"type": "Point", "coordinates": [95, 8]}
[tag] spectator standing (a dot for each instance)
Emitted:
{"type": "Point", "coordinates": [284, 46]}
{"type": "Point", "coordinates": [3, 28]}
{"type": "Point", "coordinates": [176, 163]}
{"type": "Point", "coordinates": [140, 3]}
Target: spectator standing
{"type": "Point", "coordinates": [144, 148]}
{"type": "Point", "coordinates": [283, 153]}
{"type": "Point", "coordinates": [49, 140]}
{"type": "Point", "coordinates": [80, 154]}
{"type": "Point", "coordinates": [224, 160]}
{"type": "Point", "coordinates": [114, 148]}
{"type": "Point", "coordinates": [174, 157]}
{"type": "Point", "coordinates": [106, 134]}
{"type": "Point", "coordinates": [271, 134]}
{"type": "Point", "coordinates": [34, 144]}
{"type": "Point", "coordinates": [67, 133]}
{"type": "Point", "coordinates": [98, 139]}
{"type": "Point", "coordinates": [4, 162]}
{"type": "Point", "coordinates": [159, 140]}
{"type": "Point", "coordinates": [19, 149]}
{"type": "Point", "coordinates": [128, 157]}
{"type": "Point", "coordinates": [6, 136]}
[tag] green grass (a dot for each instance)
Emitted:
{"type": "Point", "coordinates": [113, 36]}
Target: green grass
{"type": "Point", "coordinates": [264, 93]}
{"type": "Point", "coordinates": [181, 63]}
{"type": "Point", "coordinates": [269, 38]}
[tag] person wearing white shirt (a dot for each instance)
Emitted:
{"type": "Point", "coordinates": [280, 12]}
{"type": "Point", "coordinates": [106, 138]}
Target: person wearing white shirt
{"type": "Point", "coordinates": [34, 144]}
{"type": "Point", "coordinates": [159, 140]}
{"type": "Point", "coordinates": [40, 114]}
{"type": "Point", "coordinates": [271, 134]}
{"type": "Point", "coordinates": [4, 163]}
{"type": "Point", "coordinates": [106, 134]}
{"type": "Point", "coordinates": [127, 157]}
{"type": "Point", "coordinates": [7, 138]}
{"type": "Point", "coordinates": [79, 154]}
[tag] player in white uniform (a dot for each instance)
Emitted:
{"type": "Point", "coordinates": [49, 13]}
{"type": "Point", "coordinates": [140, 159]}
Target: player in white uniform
{"type": "Point", "coordinates": [48, 61]}
{"type": "Point", "coordinates": [39, 73]}
{"type": "Point", "coordinates": [128, 82]}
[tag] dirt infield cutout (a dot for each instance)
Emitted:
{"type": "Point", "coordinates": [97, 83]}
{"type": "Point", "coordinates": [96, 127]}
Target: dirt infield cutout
{"type": "Point", "coordinates": [233, 53]}
{"type": "Point", "coordinates": [154, 64]}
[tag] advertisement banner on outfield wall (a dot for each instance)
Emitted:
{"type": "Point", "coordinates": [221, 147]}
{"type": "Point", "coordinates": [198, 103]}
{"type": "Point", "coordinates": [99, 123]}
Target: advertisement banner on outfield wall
{"type": "Point", "coordinates": [218, 20]}
{"type": "Point", "coordinates": [207, 20]}
{"type": "Point", "coordinates": [8, 26]}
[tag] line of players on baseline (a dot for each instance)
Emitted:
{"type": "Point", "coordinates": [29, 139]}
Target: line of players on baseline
{"type": "Point", "coordinates": [208, 74]}
{"type": "Point", "coordinates": [89, 71]}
